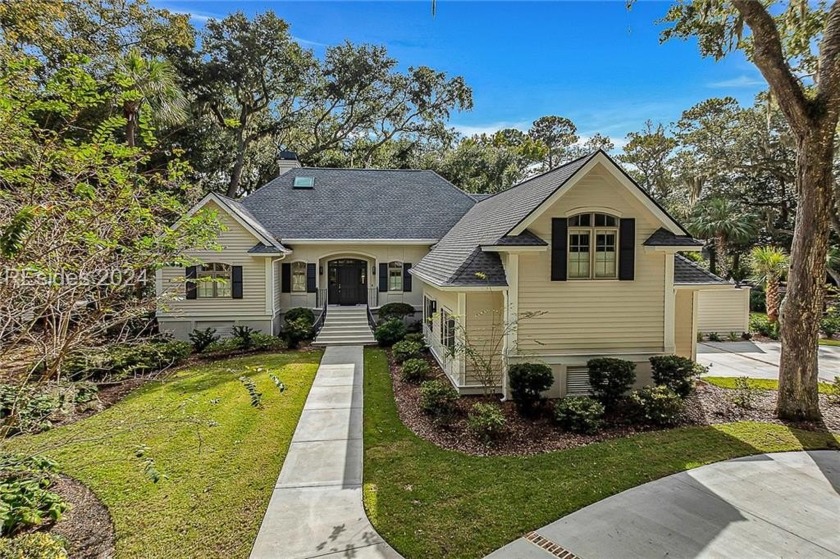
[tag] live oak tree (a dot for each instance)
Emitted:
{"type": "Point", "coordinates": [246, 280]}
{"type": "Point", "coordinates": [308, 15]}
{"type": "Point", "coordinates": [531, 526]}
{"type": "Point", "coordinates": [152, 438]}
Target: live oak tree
{"type": "Point", "coordinates": [795, 45]}
{"type": "Point", "coordinates": [558, 134]}
{"type": "Point", "coordinates": [650, 152]}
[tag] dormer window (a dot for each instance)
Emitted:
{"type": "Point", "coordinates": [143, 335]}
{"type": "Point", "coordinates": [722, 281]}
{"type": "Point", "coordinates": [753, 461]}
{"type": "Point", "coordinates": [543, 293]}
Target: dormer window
{"type": "Point", "coordinates": [593, 246]}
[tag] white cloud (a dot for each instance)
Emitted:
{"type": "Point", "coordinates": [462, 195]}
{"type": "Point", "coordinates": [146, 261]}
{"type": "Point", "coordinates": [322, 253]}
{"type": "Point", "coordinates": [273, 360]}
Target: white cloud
{"type": "Point", "coordinates": [740, 81]}
{"type": "Point", "coordinates": [308, 43]}
{"type": "Point", "coordinates": [490, 128]}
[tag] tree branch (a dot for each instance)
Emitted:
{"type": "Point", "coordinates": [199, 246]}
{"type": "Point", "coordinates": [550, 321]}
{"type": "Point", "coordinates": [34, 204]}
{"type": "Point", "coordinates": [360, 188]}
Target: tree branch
{"type": "Point", "coordinates": [770, 59]}
{"type": "Point", "coordinates": [828, 76]}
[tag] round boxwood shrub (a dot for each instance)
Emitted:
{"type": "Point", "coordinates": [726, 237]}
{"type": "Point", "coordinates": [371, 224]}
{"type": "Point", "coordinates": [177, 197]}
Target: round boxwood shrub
{"type": "Point", "coordinates": [487, 422]}
{"type": "Point", "coordinates": [527, 383]}
{"type": "Point", "coordinates": [395, 310]}
{"type": "Point", "coordinates": [415, 370]}
{"type": "Point", "coordinates": [675, 372]}
{"type": "Point", "coordinates": [656, 405]}
{"type": "Point", "coordinates": [579, 414]}
{"type": "Point", "coordinates": [438, 398]}
{"type": "Point", "coordinates": [389, 332]}
{"type": "Point", "coordinates": [406, 350]}
{"type": "Point", "coordinates": [610, 378]}
{"type": "Point", "coordinates": [416, 337]}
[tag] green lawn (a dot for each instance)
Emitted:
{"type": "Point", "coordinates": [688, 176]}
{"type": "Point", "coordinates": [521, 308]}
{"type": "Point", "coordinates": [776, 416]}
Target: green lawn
{"type": "Point", "coordinates": [823, 341]}
{"type": "Point", "coordinates": [220, 455]}
{"type": "Point", "coordinates": [429, 502]}
{"type": "Point", "coordinates": [759, 383]}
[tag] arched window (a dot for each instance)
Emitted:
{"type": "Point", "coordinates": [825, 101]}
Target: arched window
{"type": "Point", "coordinates": [395, 276]}
{"type": "Point", "coordinates": [213, 281]}
{"type": "Point", "coordinates": [593, 246]}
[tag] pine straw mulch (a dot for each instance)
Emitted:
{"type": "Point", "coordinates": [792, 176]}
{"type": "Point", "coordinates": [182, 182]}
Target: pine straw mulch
{"type": "Point", "coordinates": [707, 405]}
{"type": "Point", "coordinates": [86, 525]}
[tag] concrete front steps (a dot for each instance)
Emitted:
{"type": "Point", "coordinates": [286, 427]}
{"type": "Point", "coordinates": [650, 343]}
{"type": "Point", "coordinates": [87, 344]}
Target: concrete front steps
{"type": "Point", "coordinates": [345, 326]}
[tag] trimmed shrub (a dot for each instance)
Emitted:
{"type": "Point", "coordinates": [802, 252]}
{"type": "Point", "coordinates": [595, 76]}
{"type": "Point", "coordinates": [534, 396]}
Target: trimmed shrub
{"type": "Point", "coordinates": [656, 405]}
{"type": "Point", "coordinates": [760, 324]}
{"type": "Point", "coordinates": [758, 301]}
{"type": "Point", "coordinates": [579, 414]}
{"type": "Point", "coordinates": [297, 330]}
{"type": "Point", "coordinates": [406, 350]}
{"type": "Point", "coordinates": [415, 327]}
{"type": "Point", "coordinates": [438, 398]}
{"type": "Point", "coordinates": [830, 325]}
{"type": "Point", "coordinates": [395, 310]}
{"type": "Point", "coordinates": [299, 312]}
{"type": "Point", "coordinates": [244, 335]}
{"type": "Point", "coordinates": [610, 379]}
{"type": "Point", "coordinates": [266, 341]}
{"type": "Point", "coordinates": [390, 332]}
{"type": "Point", "coordinates": [202, 338]}
{"type": "Point", "coordinates": [527, 383]}
{"type": "Point", "coordinates": [225, 345]}
{"type": "Point", "coordinates": [37, 545]}
{"type": "Point", "coordinates": [416, 337]}
{"type": "Point", "coordinates": [487, 422]}
{"type": "Point", "coordinates": [415, 370]}
{"type": "Point", "coordinates": [677, 373]}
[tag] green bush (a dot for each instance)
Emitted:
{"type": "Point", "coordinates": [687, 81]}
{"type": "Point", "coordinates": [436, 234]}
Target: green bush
{"type": "Point", "coordinates": [830, 325]}
{"type": "Point", "coordinates": [296, 331]}
{"type": "Point", "coordinates": [122, 360]}
{"type": "Point", "coordinates": [415, 370]}
{"type": "Point", "coordinates": [299, 312]}
{"type": "Point", "coordinates": [262, 341]}
{"type": "Point", "coordinates": [225, 345]}
{"type": "Point", "coordinates": [202, 338]}
{"type": "Point", "coordinates": [25, 498]}
{"type": "Point", "coordinates": [395, 310]}
{"type": "Point", "coordinates": [714, 337]}
{"type": "Point", "coordinates": [35, 407]}
{"type": "Point", "coordinates": [610, 378]}
{"type": "Point", "coordinates": [656, 405]}
{"type": "Point", "coordinates": [438, 398]}
{"type": "Point", "coordinates": [244, 336]}
{"type": "Point", "coordinates": [834, 392]}
{"type": "Point", "coordinates": [744, 394]}
{"type": "Point", "coordinates": [760, 324]}
{"type": "Point", "coordinates": [416, 337]}
{"type": "Point", "coordinates": [758, 301]}
{"type": "Point", "coordinates": [406, 350]}
{"type": "Point", "coordinates": [390, 332]}
{"type": "Point", "coordinates": [677, 373]}
{"type": "Point", "coordinates": [527, 383]}
{"type": "Point", "coordinates": [487, 422]}
{"type": "Point", "coordinates": [579, 414]}
{"type": "Point", "coordinates": [37, 545]}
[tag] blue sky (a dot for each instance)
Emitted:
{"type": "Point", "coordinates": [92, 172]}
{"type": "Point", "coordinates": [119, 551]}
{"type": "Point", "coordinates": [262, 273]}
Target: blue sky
{"type": "Point", "coordinates": [594, 62]}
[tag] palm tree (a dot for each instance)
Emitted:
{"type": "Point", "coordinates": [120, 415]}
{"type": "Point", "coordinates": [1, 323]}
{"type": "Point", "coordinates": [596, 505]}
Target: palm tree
{"type": "Point", "coordinates": [150, 83]}
{"type": "Point", "coordinates": [770, 264]}
{"type": "Point", "coordinates": [723, 221]}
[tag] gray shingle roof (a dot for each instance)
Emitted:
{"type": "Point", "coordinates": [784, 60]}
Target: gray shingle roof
{"type": "Point", "coordinates": [455, 260]}
{"type": "Point", "coordinates": [664, 238]}
{"type": "Point", "coordinates": [687, 272]}
{"type": "Point", "coordinates": [249, 218]}
{"type": "Point", "coordinates": [261, 248]}
{"type": "Point", "coordinates": [359, 204]}
{"type": "Point", "coordinates": [525, 239]}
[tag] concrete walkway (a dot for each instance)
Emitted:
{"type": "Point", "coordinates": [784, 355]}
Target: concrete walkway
{"type": "Point", "coordinates": [758, 359]}
{"type": "Point", "coordinates": [769, 505]}
{"type": "Point", "coordinates": [316, 508]}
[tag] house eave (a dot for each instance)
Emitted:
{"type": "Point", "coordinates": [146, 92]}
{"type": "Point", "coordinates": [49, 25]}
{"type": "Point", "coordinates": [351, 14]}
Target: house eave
{"type": "Point", "coordinates": [423, 242]}
{"type": "Point", "coordinates": [513, 248]}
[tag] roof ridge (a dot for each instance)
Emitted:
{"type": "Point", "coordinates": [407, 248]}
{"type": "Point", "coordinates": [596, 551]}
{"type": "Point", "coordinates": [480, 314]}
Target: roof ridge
{"type": "Point", "coordinates": [364, 169]}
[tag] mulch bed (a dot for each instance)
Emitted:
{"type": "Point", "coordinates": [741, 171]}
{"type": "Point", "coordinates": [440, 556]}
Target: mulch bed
{"type": "Point", "coordinates": [708, 405]}
{"type": "Point", "coordinates": [86, 526]}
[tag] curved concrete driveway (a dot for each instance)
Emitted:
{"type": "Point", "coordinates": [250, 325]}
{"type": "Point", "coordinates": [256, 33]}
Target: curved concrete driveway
{"type": "Point", "coordinates": [758, 359]}
{"type": "Point", "coordinates": [769, 505]}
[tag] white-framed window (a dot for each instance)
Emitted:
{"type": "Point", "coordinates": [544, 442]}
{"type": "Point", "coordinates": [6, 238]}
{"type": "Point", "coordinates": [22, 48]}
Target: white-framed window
{"type": "Point", "coordinates": [447, 329]}
{"type": "Point", "coordinates": [593, 246]}
{"type": "Point", "coordinates": [213, 281]}
{"type": "Point", "coordinates": [429, 310]}
{"type": "Point", "coordinates": [395, 276]}
{"type": "Point", "coordinates": [298, 277]}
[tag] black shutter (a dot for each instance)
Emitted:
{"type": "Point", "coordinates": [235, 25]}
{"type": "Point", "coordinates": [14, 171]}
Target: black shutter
{"type": "Point", "coordinates": [191, 275]}
{"type": "Point", "coordinates": [559, 241]}
{"type": "Point", "coordinates": [285, 277]}
{"type": "Point", "coordinates": [236, 282]}
{"type": "Point", "coordinates": [406, 277]}
{"type": "Point", "coordinates": [627, 249]}
{"type": "Point", "coordinates": [383, 278]}
{"type": "Point", "coordinates": [311, 271]}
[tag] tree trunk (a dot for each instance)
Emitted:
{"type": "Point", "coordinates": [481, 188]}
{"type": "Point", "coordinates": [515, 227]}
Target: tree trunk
{"type": "Point", "coordinates": [802, 307]}
{"type": "Point", "coordinates": [130, 113]}
{"type": "Point", "coordinates": [771, 298]}
{"type": "Point", "coordinates": [236, 174]}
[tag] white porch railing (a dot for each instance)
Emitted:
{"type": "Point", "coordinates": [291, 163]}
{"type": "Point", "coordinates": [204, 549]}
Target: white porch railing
{"type": "Point", "coordinates": [449, 363]}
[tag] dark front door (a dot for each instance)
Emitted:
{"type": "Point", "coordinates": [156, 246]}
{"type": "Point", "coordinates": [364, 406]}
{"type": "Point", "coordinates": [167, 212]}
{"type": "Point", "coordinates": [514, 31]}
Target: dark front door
{"type": "Point", "coordinates": [348, 282]}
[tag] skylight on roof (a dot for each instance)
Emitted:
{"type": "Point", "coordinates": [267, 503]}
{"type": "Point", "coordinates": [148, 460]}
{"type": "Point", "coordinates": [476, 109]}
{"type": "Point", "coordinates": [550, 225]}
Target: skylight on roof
{"type": "Point", "coordinates": [304, 182]}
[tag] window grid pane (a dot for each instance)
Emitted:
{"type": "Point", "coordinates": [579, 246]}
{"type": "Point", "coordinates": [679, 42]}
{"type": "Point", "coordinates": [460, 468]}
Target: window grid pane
{"type": "Point", "coordinates": [395, 276]}
{"type": "Point", "coordinates": [299, 277]}
{"type": "Point", "coordinates": [605, 254]}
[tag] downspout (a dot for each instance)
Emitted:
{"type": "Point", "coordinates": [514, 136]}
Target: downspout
{"type": "Point", "coordinates": [274, 284]}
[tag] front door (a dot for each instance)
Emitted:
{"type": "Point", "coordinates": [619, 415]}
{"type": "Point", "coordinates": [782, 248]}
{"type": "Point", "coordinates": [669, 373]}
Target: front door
{"type": "Point", "coordinates": [348, 282]}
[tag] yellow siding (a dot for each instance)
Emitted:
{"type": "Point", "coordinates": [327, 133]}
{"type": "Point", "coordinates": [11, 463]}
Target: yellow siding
{"type": "Point", "coordinates": [373, 254]}
{"type": "Point", "coordinates": [724, 311]}
{"type": "Point", "coordinates": [236, 241]}
{"type": "Point", "coordinates": [684, 336]}
{"type": "Point", "coordinates": [485, 332]}
{"type": "Point", "coordinates": [593, 316]}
